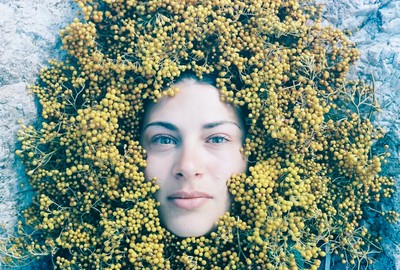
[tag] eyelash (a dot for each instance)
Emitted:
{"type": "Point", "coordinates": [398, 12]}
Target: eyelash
{"type": "Point", "coordinates": [217, 137]}
{"type": "Point", "coordinates": [157, 139]}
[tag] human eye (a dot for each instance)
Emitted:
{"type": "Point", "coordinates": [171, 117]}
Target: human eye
{"type": "Point", "coordinates": [163, 139]}
{"type": "Point", "coordinates": [217, 139]}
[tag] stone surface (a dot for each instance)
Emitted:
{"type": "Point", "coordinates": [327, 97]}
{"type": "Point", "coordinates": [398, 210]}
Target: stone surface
{"type": "Point", "coordinates": [15, 105]}
{"type": "Point", "coordinates": [29, 33]}
{"type": "Point", "coordinates": [29, 37]}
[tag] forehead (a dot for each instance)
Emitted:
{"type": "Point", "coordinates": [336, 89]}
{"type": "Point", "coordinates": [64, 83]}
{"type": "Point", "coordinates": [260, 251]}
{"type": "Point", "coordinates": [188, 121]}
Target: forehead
{"type": "Point", "coordinates": [194, 101]}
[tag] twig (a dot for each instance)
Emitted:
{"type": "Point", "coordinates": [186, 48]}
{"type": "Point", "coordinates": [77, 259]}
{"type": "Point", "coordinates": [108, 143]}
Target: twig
{"type": "Point", "coordinates": [327, 257]}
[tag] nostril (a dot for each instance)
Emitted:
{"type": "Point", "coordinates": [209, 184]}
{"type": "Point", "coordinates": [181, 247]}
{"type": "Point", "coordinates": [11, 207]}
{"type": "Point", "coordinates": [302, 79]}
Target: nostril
{"type": "Point", "coordinates": [179, 174]}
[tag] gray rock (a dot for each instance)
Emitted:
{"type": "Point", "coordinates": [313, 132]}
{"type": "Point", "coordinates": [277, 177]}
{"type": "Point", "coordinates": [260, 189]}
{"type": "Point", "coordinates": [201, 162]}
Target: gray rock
{"type": "Point", "coordinates": [29, 34]}
{"type": "Point", "coordinates": [28, 39]}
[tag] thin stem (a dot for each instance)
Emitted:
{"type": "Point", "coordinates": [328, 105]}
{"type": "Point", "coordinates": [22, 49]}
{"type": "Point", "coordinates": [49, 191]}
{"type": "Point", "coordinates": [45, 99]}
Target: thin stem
{"type": "Point", "coordinates": [327, 257]}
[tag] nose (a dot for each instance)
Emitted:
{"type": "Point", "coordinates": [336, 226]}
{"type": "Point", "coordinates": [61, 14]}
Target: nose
{"type": "Point", "coordinates": [188, 164]}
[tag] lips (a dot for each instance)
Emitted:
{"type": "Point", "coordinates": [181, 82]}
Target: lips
{"type": "Point", "coordinates": [189, 200]}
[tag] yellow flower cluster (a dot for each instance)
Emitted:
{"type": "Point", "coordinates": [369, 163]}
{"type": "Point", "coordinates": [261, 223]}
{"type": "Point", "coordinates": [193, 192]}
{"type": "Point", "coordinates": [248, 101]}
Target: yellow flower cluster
{"type": "Point", "coordinates": [309, 143]}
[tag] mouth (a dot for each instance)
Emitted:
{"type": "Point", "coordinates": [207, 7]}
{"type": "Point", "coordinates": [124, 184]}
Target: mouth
{"type": "Point", "coordinates": [189, 200]}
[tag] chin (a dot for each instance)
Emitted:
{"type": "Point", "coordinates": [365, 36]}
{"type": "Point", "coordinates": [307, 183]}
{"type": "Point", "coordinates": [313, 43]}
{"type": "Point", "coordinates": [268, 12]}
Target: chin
{"type": "Point", "coordinates": [190, 230]}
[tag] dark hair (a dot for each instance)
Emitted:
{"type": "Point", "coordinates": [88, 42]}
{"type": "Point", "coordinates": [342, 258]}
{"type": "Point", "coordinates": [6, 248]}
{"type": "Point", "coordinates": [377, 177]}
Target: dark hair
{"type": "Point", "coordinates": [206, 79]}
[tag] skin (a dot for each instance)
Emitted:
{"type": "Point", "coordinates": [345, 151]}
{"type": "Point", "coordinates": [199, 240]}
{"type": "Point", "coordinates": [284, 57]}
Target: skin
{"type": "Point", "coordinates": [193, 143]}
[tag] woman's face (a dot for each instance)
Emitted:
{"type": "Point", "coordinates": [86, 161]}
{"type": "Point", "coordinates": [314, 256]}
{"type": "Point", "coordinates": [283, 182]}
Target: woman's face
{"type": "Point", "coordinates": [193, 143]}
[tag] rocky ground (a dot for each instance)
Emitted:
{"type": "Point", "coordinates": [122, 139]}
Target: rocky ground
{"type": "Point", "coordinates": [29, 37]}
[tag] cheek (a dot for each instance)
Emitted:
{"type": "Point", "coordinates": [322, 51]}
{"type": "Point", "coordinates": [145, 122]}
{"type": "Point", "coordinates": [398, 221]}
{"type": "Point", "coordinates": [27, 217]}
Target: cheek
{"type": "Point", "coordinates": [243, 164]}
{"type": "Point", "coordinates": [235, 163]}
{"type": "Point", "coordinates": [159, 168]}
{"type": "Point", "coordinates": [154, 168]}
{"type": "Point", "coordinates": [222, 172]}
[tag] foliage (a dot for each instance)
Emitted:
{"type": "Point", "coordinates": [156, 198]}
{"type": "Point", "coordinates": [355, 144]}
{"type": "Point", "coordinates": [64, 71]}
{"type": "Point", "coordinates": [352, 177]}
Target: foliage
{"type": "Point", "coordinates": [312, 172]}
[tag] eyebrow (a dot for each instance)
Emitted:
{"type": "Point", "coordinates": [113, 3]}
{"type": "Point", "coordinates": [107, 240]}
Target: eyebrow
{"type": "Point", "coordinates": [166, 125]}
{"type": "Point", "coordinates": [219, 123]}
{"type": "Point", "coordinates": [172, 127]}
